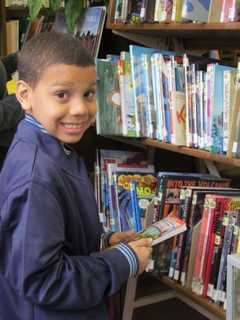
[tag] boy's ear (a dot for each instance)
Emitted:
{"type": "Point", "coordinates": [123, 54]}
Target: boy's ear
{"type": "Point", "coordinates": [23, 94]}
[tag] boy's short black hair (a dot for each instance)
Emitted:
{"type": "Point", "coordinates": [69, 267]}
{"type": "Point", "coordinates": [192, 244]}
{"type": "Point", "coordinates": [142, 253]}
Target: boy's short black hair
{"type": "Point", "coordinates": [49, 48]}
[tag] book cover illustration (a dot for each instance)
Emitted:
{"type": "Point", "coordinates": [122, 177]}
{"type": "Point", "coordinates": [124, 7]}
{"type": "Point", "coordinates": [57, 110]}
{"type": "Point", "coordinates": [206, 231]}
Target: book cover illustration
{"type": "Point", "coordinates": [218, 108]}
{"type": "Point", "coordinates": [89, 28]}
{"type": "Point", "coordinates": [137, 80]}
{"type": "Point", "coordinates": [196, 10]}
{"type": "Point", "coordinates": [163, 229]}
{"type": "Point", "coordinates": [106, 157]}
{"type": "Point", "coordinates": [108, 119]}
{"type": "Point", "coordinates": [145, 189]}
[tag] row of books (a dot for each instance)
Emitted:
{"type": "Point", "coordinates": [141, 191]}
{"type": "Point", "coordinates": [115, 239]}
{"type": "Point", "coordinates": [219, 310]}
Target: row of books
{"type": "Point", "coordinates": [124, 186]}
{"type": "Point", "coordinates": [148, 11]}
{"type": "Point", "coordinates": [198, 258]}
{"type": "Point", "coordinates": [162, 95]}
{"type": "Point", "coordinates": [161, 205]}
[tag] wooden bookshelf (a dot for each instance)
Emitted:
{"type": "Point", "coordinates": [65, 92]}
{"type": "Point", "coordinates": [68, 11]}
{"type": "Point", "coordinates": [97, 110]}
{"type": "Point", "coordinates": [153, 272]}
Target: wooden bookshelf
{"type": "Point", "coordinates": [197, 153]}
{"type": "Point", "coordinates": [203, 302]}
{"type": "Point", "coordinates": [187, 36]}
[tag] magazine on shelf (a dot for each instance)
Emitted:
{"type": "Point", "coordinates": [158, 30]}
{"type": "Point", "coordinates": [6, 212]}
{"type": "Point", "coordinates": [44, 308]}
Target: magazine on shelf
{"type": "Point", "coordinates": [163, 229]}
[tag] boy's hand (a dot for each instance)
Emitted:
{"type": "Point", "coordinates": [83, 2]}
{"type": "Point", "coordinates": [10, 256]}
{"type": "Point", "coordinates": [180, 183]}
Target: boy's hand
{"type": "Point", "coordinates": [143, 250]}
{"type": "Point", "coordinates": [124, 236]}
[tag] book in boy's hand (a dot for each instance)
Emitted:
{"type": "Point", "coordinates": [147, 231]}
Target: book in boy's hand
{"type": "Point", "coordinates": [163, 229]}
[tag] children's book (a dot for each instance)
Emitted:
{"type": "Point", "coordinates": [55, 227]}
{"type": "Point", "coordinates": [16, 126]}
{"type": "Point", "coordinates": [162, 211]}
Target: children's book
{"type": "Point", "coordinates": [106, 157]}
{"type": "Point", "coordinates": [89, 28]}
{"type": "Point", "coordinates": [163, 229]}
{"type": "Point", "coordinates": [137, 81]}
{"type": "Point", "coordinates": [135, 188]}
{"type": "Point", "coordinates": [108, 119]}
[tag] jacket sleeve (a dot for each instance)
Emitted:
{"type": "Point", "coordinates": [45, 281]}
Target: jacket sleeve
{"type": "Point", "coordinates": [36, 263]}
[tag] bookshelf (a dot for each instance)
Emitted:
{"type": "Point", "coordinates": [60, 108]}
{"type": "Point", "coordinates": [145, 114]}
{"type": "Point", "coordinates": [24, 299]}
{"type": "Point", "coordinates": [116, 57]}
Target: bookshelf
{"type": "Point", "coordinates": [196, 153]}
{"type": "Point", "coordinates": [185, 36]}
{"type": "Point", "coordinates": [193, 36]}
{"type": "Point", "coordinates": [7, 13]}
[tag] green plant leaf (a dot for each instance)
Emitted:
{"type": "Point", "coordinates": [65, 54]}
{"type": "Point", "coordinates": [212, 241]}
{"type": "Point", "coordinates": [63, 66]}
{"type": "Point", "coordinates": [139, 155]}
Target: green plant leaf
{"type": "Point", "coordinates": [34, 7]}
{"type": "Point", "coordinates": [54, 4]}
{"type": "Point", "coordinates": [73, 9]}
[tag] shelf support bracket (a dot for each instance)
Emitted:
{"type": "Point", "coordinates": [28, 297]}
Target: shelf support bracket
{"type": "Point", "coordinates": [212, 169]}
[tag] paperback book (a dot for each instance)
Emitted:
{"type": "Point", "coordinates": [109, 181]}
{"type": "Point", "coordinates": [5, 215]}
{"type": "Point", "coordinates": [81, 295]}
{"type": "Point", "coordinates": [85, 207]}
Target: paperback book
{"type": "Point", "coordinates": [163, 229]}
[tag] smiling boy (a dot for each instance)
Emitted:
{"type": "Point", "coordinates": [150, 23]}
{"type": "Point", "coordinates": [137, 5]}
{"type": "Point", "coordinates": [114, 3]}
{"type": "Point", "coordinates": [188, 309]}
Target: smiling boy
{"type": "Point", "coordinates": [50, 263]}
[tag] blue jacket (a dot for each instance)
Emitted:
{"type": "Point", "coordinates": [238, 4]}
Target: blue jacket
{"type": "Point", "coordinates": [50, 264]}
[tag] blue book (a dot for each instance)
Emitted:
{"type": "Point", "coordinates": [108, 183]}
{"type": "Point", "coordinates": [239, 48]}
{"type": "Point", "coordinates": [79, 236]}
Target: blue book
{"type": "Point", "coordinates": [137, 80]}
{"type": "Point", "coordinates": [217, 108]}
{"type": "Point", "coordinates": [135, 206]}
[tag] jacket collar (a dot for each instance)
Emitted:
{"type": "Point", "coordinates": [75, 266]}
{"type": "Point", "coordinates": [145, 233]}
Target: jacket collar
{"type": "Point", "coordinates": [64, 156]}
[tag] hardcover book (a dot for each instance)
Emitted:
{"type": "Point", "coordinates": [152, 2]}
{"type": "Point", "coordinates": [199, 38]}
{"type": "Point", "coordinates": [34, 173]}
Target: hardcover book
{"type": "Point", "coordinates": [89, 28]}
{"type": "Point", "coordinates": [108, 119]}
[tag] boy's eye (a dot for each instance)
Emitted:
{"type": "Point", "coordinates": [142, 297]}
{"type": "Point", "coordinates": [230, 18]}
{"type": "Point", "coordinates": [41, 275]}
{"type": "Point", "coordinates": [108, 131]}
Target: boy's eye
{"type": "Point", "coordinates": [90, 94]}
{"type": "Point", "coordinates": [62, 94]}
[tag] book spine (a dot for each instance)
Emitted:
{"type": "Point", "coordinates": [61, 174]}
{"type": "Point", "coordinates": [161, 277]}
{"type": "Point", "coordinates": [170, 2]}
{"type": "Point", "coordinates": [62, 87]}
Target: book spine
{"type": "Point", "coordinates": [147, 95]}
{"type": "Point", "coordinates": [217, 249]}
{"type": "Point", "coordinates": [150, 11]}
{"type": "Point", "coordinates": [188, 101]}
{"type": "Point", "coordinates": [136, 211]}
{"type": "Point", "coordinates": [218, 292]}
{"type": "Point", "coordinates": [210, 251]}
{"type": "Point", "coordinates": [201, 250]}
{"type": "Point", "coordinates": [143, 11]}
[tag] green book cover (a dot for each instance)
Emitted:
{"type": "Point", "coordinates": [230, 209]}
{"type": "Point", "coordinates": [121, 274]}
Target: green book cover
{"type": "Point", "coordinates": [108, 119]}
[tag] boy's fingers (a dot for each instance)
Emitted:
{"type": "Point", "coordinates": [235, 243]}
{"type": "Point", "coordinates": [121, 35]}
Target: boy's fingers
{"type": "Point", "coordinates": [147, 242]}
{"type": "Point", "coordinates": [129, 233]}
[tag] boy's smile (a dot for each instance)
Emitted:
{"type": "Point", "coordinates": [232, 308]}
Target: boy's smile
{"type": "Point", "coordinates": [63, 100]}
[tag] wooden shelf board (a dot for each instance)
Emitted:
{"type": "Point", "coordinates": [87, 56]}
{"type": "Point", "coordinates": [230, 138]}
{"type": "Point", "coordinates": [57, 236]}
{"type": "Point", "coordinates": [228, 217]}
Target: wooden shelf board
{"type": "Point", "coordinates": [233, 26]}
{"type": "Point", "coordinates": [213, 34]}
{"type": "Point", "coordinates": [180, 149]}
{"type": "Point", "coordinates": [204, 302]}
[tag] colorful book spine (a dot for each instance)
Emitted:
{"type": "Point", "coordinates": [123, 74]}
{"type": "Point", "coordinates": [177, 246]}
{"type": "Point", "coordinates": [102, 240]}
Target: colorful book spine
{"type": "Point", "coordinates": [135, 206]}
{"type": "Point", "coordinates": [127, 97]}
{"type": "Point", "coordinates": [209, 206]}
{"type": "Point", "coordinates": [158, 97]}
{"type": "Point", "coordinates": [148, 96]}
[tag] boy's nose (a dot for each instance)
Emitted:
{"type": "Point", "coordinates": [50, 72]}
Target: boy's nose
{"type": "Point", "coordinates": [79, 108]}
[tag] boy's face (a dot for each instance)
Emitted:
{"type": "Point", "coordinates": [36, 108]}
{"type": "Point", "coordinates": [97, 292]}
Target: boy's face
{"type": "Point", "coordinates": [63, 100]}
